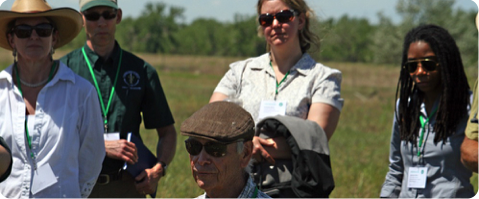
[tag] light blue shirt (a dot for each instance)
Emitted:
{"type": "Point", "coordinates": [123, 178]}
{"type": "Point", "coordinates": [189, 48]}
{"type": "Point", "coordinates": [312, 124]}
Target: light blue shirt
{"type": "Point", "coordinates": [248, 191]}
{"type": "Point", "coordinates": [66, 132]}
{"type": "Point", "coordinates": [446, 175]}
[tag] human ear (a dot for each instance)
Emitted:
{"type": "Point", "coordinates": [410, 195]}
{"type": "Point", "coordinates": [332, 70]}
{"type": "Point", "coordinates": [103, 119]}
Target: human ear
{"type": "Point", "coordinates": [246, 154]}
{"type": "Point", "coordinates": [119, 15]}
{"type": "Point", "coordinates": [302, 21]}
{"type": "Point", "coordinates": [10, 40]}
{"type": "Point", "coordinates": [54, 37]}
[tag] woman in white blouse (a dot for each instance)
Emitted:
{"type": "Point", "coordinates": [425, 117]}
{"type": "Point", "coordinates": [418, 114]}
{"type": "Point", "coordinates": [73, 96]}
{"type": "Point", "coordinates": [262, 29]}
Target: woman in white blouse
{"type": "Point", "coordinates": [51, 118]}
{"type": "Point", "coordinates": [285, 80]}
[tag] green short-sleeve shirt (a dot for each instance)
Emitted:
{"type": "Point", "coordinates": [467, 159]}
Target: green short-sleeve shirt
{"type": "Point", "coordinates": [471, 129]}
{"type": "Point", "coordinates": [138, 91]}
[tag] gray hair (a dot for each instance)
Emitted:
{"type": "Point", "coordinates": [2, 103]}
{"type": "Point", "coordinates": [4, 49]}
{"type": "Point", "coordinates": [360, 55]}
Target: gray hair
{"type": "Point", "coordinates": [240, 146]}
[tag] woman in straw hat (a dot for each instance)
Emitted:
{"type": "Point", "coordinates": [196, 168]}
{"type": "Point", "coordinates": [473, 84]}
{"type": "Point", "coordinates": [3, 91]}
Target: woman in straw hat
{"type": "Point", "coordinates": [49, 115]}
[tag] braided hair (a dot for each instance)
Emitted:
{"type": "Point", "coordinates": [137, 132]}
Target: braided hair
{"type": "Point", "coordinates": [455, 89]}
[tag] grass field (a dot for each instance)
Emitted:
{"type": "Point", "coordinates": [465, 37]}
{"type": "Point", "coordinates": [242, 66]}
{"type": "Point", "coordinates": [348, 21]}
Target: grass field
{"type": "Point", "coordinates": [359, 147]}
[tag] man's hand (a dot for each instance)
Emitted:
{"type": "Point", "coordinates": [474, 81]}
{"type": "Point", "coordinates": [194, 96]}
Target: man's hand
{"type": "Point", "coordinates": [259, 152]}
{"type": "Point", "coordinates": [122, 150]}
{"type": "Point", "coordinates": [147, 180]}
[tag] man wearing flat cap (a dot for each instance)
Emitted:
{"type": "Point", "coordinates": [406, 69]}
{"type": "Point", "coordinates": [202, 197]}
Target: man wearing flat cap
{"type": "Point", "coordinates": [220, 147]}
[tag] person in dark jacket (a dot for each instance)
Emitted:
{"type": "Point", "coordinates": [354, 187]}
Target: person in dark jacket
{"type": "Point", "coordinates": [5, 160]}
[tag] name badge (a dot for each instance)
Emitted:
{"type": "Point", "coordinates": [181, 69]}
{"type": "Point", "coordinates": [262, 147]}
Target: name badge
{"type": "Point", "coordinates": [111, 136]}
{"type": "Point", "coordinates": [417, 177]}
{"type": "Point", "coordinates": [271, 108]}
{"type": "Point", "coordinates": [43, 178]}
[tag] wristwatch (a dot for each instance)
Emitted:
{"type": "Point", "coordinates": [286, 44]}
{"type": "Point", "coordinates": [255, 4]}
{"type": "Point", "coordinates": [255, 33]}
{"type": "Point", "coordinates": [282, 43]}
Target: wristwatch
{"type": "Point", "coordinates": [164, 166]}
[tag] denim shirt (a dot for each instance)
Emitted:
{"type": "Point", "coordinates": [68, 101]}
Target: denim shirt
{"type": "Point", "coordinates": [248, 191]}
{"type": "Point", "coordinates": [446, 175]}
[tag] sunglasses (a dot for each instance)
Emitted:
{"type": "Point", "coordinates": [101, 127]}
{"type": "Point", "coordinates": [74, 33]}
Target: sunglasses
{"type": "Point", "coordinates": [25, 31]}
{"type": "Point", "coordinates": [427, 64]}
{"type": "Point", "coordinates": [94, 16]}
{"type": "Point", "coordinates": [282, 16]}
{"type": "Point", "coordinates": [214, 149]}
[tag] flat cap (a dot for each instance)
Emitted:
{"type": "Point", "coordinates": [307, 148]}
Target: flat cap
{"type": "Point", "coordinates": [223, 122]}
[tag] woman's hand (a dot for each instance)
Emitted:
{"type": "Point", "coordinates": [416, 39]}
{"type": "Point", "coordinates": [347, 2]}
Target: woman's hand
{"type": "Point", "coordinates": [271, 149]}
{"type": "Point", "coordinates": [259, 153]}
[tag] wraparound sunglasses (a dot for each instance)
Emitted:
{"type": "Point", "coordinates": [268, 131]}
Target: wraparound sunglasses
{"type": "Point", "coordinates": [427, 64]}
{"type": "Point", "coordinates": [95, 16]}
{"type": "Point", "coordinates": [214, 149]}
{"type": "Point", "coordinates": [25, 31]}
{"type": "Point", "coordinates": [282, 16]}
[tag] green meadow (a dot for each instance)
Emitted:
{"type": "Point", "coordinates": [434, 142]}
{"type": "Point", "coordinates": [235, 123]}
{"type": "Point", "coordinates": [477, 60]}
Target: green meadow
{"type": "Point", "coordinates": [359, 147]}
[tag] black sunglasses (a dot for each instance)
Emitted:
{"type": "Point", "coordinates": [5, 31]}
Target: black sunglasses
{"type": "Point", "coordinates": [214, 149]}
{"type": "Point", "coordinates": [282, 16]}
{"type": "Point", "coordinates": [427, 64]}
{"type": "Point", "coordinates": [94, 16]}
{"type": "Point", "coordinates": [25, 31]}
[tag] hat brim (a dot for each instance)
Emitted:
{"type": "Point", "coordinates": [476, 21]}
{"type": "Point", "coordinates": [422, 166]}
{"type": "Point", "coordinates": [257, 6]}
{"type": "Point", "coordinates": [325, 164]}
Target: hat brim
{"type": "Point", "coordinates": [477, 21]}
{"type": "Point", "coordinates": [92, 4]}
{"type": "Point", "coordinates": [67, 21]}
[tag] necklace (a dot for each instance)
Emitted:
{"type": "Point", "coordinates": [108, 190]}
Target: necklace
{"type": "Point", "coordinates": [52, 69]}
{"type": "Point", "coordinates": [33, 85]}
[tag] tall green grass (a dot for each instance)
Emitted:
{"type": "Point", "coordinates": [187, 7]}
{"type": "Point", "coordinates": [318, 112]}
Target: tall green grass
{"type": "Point", "coordinates": [359, 147]}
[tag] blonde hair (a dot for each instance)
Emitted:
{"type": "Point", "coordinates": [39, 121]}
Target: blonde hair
{"type": "Point", "coordinates": [306, 36]}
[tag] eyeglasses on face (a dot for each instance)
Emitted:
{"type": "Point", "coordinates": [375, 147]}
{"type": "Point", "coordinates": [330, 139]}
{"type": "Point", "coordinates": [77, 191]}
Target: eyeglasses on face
{"type": "Point", "coordinates": [25, 31]}
{"type": "Point", "coordinates": [282, 16]}
{"type": "Point", "coordinates": [427, 64]}
{"type": "Point", "coordinates": [95, 16]}
{"type": "Point", "coordinates": [214, 149]}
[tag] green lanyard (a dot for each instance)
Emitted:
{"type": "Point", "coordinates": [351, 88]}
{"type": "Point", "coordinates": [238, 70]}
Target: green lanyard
{"type": "Point", "coordinates": [29, 141]}
{"type": "Point", "coordinates": [278, 84]}
{"type": "Point", "coordinates": [255, 194]}
{"type": "Point", "coordinates": [423, 127]}
{"type": "Point", "coordinates": [105, 110]}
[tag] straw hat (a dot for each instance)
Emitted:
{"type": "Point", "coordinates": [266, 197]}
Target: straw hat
{"type": "Point", "coordinates": [67, 21]}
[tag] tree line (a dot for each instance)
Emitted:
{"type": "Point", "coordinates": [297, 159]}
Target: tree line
{"type": "Point", "coordinates": [346, 39]}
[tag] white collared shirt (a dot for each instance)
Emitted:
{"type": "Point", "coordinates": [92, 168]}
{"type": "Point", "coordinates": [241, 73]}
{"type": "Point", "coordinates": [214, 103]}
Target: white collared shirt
{"type": "Point", "coordinates": [67, 134]}
{"type": "Point", "coordinates": [253, 80]}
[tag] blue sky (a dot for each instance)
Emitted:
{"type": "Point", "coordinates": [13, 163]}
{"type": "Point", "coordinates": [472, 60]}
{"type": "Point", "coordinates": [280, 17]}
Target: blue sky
{"type": "Point", "coordinates": [224, 10]}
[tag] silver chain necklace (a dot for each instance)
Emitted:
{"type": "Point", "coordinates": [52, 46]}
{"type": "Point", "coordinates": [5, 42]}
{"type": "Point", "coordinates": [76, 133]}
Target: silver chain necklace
{"type": "Point", "coordinates": [34, 85]}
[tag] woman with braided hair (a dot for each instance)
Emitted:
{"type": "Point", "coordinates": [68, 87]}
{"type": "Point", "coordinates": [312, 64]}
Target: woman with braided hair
{"type": "Point", "coordinates": [429, 121]}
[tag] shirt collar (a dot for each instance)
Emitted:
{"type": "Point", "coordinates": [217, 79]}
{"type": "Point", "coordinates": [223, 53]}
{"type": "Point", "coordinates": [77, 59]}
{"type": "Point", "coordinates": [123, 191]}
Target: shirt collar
{"type": "Point", "coordinates": [424, 113]}
{"type": "Point", "coordinates": [248, 190]}
{"type": "Point", "coordinates": [7, 74]}
{"type": "Point", "coordinates": [63, 73]}
{"type": "Point", "coordinates": [93, 57]}
{"type": "Point", "coordinates": [303, 66]}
